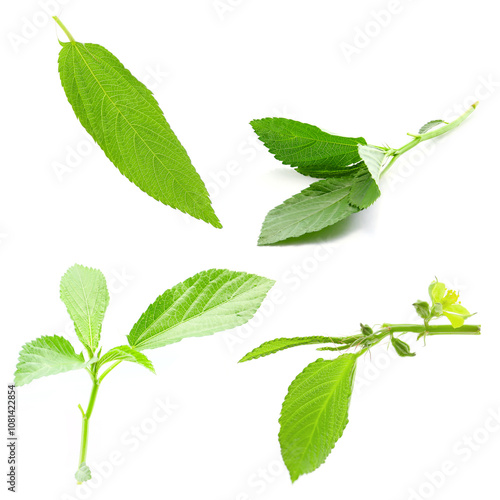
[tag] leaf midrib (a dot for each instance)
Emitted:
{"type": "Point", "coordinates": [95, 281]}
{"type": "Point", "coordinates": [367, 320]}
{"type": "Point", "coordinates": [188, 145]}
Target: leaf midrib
{"type": "Point", "coordinates": [296, 136]}
{"type": "Point", "coordinates": [87, 305]}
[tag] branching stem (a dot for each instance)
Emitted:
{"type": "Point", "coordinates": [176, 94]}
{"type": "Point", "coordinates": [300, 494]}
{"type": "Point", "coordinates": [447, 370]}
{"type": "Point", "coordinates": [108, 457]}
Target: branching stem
{"type": "Point", "coordinates": [418, 138]}
{"type": "Point", "coordinates": [96, 382]}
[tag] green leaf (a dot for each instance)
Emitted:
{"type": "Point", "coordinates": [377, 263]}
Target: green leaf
{"type": "Point", "coordinates": [83, 474]}
{"type": "Point", "coordinates": [430, 125]}
{"type": "Point", "coordinates": [123, 117]}
{"type": "Point", "coordinates": [208, 302]}
{"type": "Point", "coordinates": [364, 191]}
{"type": "Point", "coordinates": [374, 160]}
{"type": "Point", "coordinates": [314, 413]}
{"type": "Point", "coordinates": [46, 356]}
{"type": "Point", "coordinates": [423, 309]}
{"type": "Point", "coordinates": [327, 172]}
{"type": "Point", "coordinates": [322, 204]}
{"type": "Point", "coordinates": [314, 152]}
{"type": "Point", "coordinates": [85, 294]}
{"type": "Point", "coordinates": [276, 345]}
{"type": "Point", "coordinates": [126, 353]}
{"type": "Point", "coordinates": [402, 348]}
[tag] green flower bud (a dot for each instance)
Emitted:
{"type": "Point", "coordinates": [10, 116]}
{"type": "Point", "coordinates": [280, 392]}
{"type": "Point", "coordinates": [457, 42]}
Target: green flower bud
{"type": "Point", "coordinates": [366, 330]}
{"type": "Point", "coordinates": [402, 348]}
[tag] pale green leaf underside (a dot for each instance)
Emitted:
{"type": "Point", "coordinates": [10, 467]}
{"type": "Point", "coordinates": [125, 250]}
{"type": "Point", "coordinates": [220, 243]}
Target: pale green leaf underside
{"type": "Point", "coordinates": [307, 147]}
{"type": "Point", "coordinates": [315, 413]}
{"type": "Point", "coordinates": [322, 204]}
{"type": "Point", "coordinates": [373, 159]}
{"type": "Point", "coordinates": [364, 191]}
{"type": "Point", "coordinates": [85, 294]}
{"type": "Point", "coordinates": [280, 344]}
{"type": "Point", "coordinates": [46, 356]}
{"type": "Point", "coordinates": [430, 125]}
{"type": "Point", "coordinates": [206, 303]}
{"type": "Point", "coordinates": [123, 117]}
{"type": "Point", "coordinates": [126, 353]}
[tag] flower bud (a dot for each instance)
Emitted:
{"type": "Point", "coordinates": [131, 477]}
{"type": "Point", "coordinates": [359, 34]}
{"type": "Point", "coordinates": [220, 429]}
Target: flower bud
{"type": "Point", "coordinates": [402, 348]}
{"type": "Point", "coordinates": [366, 330]}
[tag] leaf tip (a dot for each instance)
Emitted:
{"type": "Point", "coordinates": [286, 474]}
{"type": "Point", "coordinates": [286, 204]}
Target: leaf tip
{"type": "Point", "coordinates": [216, 223]}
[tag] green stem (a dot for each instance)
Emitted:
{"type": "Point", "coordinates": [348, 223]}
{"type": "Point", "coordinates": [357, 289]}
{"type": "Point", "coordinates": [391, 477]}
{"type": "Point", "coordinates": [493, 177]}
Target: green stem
{"type": "Point", "coordinates": [96, 382]}
{"type": "Point", "coordinates": [434, 329]}
{"type": "Point", "coordinates": [68, 34]}
{"type": "Point", "coordinates": [418, 138]}
{"type": "Point", "coordinates": [85, 422]}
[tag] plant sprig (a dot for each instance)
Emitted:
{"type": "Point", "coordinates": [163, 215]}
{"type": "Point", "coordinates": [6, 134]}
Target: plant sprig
{"type": "Point", "coordinates": [315, 410]}
{"type": "Point", "coordinates": [350, 170]}
{"type": "Point", "coordinates": [209, 302]}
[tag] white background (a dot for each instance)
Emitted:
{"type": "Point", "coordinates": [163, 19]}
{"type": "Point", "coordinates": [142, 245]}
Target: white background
{"type": "Point", "coordinates": [212, 71]}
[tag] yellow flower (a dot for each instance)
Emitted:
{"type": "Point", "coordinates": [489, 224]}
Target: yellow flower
{"type": "Point", "coordinates": [445, 303]}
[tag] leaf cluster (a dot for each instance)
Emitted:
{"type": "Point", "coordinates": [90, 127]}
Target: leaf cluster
{"type": "Point", "coordinates": [209, 302]}
{"type": "Point", "coordinates": [346, 184]}
{"type": "Point", "coordinates": [350, 171]}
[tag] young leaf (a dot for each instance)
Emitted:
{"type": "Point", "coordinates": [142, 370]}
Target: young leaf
{"type": "Point", "coordinates": [46, 356]}
{"type": "Point", "coordinates": [364, 191]}
{"type": "Point", "coordinates": [123, 117]}
{"type": "Point", "coordinates": [85, 294]}
{"type": "Point", "coordinates": [126, 353]}
{"type": "Point", "coordinates": [374, 159]}
{"type": "Point", "coordinates": [322, 204]}
{"type": "Point", "coordinates": [312, 151]}
{"type": "Point", "coordinates": [209, 302]}
{"type": "Point", "coordinates": [314, 413]}
{"type": "Point", "coordinates": [430, 125]}
{"type": "Point", "coordinates": [83, 473]}
{"type": "Point", "coordinates": [422, 308]}
{"type": "Point", "coordinates": [276, 345]}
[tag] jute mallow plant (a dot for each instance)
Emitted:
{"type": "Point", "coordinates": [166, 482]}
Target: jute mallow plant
{"type": "Point", "coordinates": [315, 410]}
{"type": "Point", "coordinates": [350, 171]}
{"type": "Point", "coordinates": [208, 302]}
{"type": "Point", "coordinates": [123, 117]}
